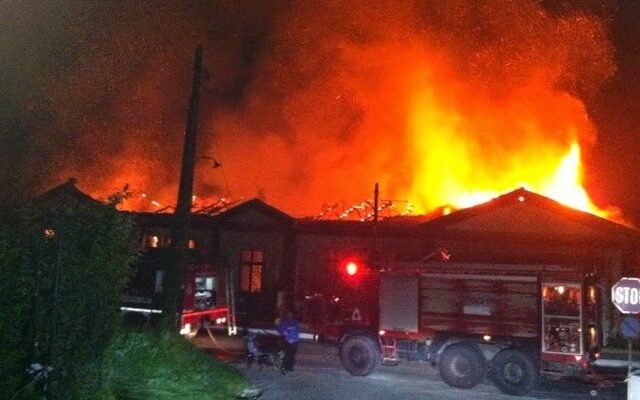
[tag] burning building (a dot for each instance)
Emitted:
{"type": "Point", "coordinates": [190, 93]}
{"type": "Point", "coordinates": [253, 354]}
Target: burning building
{"type": "Point", "coordinates": [260, 258]}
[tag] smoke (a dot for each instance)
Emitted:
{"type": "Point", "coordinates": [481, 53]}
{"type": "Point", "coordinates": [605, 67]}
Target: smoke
{"type": "Point", "coordinates": [423, 99]}
{"type": "Point", "coordinates": [306, 102]}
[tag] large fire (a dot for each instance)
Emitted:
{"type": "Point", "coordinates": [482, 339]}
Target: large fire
{"type": "Point", "coordinates": [441, 103]}
{"type": "Point", "coordinates": [468, 148]}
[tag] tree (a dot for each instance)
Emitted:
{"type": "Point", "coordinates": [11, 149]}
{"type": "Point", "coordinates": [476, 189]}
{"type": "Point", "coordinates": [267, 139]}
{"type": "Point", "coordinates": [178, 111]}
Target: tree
{"type": "Point", "coordinates": [63, 271]}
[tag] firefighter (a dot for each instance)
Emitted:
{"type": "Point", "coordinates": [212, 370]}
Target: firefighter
{"type": "Point", "coordinates": [289, 329]}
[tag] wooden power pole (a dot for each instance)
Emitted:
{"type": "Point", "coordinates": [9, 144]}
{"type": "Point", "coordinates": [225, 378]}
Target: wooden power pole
{"type": "Point", "coordinates": [174, 267]}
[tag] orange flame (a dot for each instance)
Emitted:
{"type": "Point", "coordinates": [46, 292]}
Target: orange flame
{"type": "Point", "coordinates": [455, 167]}
{"type": "Point", "coordinates": [564, 186]}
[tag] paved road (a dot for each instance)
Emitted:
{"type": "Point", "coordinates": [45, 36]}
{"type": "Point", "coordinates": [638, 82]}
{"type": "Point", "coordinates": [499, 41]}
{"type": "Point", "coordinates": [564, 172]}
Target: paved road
{"type": "Point", "coordinates": [319, 376]}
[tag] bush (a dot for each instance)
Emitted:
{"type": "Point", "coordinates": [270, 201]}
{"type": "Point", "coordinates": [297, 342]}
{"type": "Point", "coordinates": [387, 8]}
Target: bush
{"type": "Point", "coordinates": [17, 288]}
{"type": "Point", "coordinates": [63, 272]}
{"type": "Point", "coordinates": [144, 366]}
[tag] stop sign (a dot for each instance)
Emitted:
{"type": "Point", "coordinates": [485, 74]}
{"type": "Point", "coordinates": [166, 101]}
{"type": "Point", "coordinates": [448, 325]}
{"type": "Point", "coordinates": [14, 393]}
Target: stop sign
{"type": "Point", "coordinates": [626, 295]}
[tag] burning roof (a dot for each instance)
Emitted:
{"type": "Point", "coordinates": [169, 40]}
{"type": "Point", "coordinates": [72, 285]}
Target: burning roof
{"type": "Point", "coordinates": [524, 211]}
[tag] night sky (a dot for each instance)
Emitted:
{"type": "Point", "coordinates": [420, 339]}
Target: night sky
{"type": "Point", "coordinates": [295, 99]}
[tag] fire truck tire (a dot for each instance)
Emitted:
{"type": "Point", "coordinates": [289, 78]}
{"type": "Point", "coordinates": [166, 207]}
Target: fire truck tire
{"type": "Point", "coordinates": [461, 366]}
{"type": "Point", "coordinates": [359, 355]}
{"type": "Point", "coordinates": [514, 372]}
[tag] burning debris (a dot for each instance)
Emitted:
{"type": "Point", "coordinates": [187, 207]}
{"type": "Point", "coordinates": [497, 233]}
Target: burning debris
{"type": "Point", "coordinates": [365, 210]}
{"type": "Point", "coordinates": [142, 202]}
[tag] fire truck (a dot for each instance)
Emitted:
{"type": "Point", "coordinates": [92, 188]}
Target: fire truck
{"type": "Point", "coordinates": [199, 302]}
{"type": "Point", "coordinates": [144, 296]}
{"type": "Point", "coordinates": [512, 322]}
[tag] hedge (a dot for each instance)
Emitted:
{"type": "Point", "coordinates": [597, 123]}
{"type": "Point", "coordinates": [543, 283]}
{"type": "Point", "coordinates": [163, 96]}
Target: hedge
{"type": "Point", "coordinates": [63, 271]}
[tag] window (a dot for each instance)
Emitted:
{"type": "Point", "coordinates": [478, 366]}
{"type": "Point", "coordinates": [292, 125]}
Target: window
{"type": "Point", "coordinates": [251, 271]}
{"type": "Point", "coordinates": [153, 241]}
{"type": "Point", "coordinates": [205, 293]}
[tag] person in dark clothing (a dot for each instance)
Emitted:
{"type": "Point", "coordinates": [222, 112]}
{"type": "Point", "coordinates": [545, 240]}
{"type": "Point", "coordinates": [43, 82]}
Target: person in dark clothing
{"type": "Point", "coordinates": [289, 329]}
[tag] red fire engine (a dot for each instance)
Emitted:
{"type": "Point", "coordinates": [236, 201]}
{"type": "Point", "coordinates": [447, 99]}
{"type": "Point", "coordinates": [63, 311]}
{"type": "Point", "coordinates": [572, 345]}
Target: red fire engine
{"type": "Point", "coordinates": [514, 321]}
{"type": "Point", "coordinates": [199, 303]}
{"type": "Point", "coordinates": [143, 297]}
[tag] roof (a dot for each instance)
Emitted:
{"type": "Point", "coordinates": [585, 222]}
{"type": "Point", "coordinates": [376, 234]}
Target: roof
{"type": "Point", "coordinates": [241, 211]}
{"type": "Point", "coordinates": [208, 221]}
{"type": "Point", "coordinates": [522, 212]}
{"type": "Point", "coordinates": [65, 194]}
{"type": "Point", "coordinates": [395, 226]}
{"type": "Point", "coordinates": [166, 220]}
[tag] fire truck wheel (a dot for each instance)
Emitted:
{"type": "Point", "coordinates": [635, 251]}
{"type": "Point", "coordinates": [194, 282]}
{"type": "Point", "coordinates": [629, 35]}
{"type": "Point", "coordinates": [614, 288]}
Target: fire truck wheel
{"type": "Point", "coordinates": [514, 372]}
{"type": "Point", "coordinates": [461, 366]}
{"type": "Point", "coordinates": [359, 355]}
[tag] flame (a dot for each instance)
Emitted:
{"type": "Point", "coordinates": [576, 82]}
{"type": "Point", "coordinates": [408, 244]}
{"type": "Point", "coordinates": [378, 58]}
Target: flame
{"type": "Point", "coordinates": [564, 186]}
{"type": "Point", "coordinates": [468, 148]}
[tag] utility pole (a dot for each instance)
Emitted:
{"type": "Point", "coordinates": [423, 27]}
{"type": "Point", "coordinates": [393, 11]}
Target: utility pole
{"type": "Point", "coordinates": [376, 205]}
{"type": "Point", "coordinates": [376, 201]}
{"type": "Point", "coordinates": [174, 268]}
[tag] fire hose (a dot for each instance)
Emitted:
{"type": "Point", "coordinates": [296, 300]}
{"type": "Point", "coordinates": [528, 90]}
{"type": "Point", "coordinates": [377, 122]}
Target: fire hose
{"type": "Point", "coordinates": [219, 346]}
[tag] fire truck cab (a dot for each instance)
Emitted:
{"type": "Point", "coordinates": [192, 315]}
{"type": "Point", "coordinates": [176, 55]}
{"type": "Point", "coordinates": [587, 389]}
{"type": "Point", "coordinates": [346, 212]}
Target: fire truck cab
{"type": "Point", "coordinates": [514, 322]}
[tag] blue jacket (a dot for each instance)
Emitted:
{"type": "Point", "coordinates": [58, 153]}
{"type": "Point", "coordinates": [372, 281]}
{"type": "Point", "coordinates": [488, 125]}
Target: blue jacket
{"type": "Point", "coordinates": [290, 330]}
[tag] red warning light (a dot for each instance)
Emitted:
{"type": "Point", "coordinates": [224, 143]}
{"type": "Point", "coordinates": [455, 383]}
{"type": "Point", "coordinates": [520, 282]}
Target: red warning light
{"type": "Point", "coordinates": [351, 268]}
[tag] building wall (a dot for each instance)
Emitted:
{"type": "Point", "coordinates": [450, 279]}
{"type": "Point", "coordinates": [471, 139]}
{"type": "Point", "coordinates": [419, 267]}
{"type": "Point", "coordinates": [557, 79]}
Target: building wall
{"type": "Point", "coordinates": [262, 306]}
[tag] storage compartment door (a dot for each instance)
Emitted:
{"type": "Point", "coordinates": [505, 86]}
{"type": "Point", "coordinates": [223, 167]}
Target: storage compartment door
{"type": "Point", "coordinates": [399, 303]}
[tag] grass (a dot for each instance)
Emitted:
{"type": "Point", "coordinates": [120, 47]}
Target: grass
{"type": "Point", "coordinates": [142, 366]}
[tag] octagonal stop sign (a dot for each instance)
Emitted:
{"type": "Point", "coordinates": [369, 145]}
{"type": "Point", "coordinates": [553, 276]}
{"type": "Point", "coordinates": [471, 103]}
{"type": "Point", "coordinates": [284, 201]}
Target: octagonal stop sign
{"type": "Point", "coordinates": [626, 295]}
